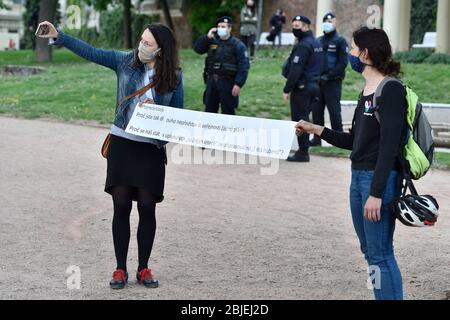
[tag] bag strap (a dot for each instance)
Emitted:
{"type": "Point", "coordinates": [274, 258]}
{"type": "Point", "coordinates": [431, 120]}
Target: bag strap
{"type": "Point", "coordinates": [406, 175]}
{"type": "Point", "coordinates": [139, 92]}
{"type": "Point", "coordinates": [404, 165]}
{"type": "Point", "coordinates": [378, 93]}
{"type": "Point", "coordinates": [144, 89]}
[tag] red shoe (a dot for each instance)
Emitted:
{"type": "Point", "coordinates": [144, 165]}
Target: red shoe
{"type": "Point", "coordinates": [145, 277]}
{"type": "Point", "coordinates": [119, 279]}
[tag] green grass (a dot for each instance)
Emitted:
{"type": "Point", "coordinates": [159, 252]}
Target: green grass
{"type": "Point", "coordinates": [441, 159]}
{"type": "Point", "coordinates": [330, 152]}
{"type": "Point", "coordinates": [73, 89]}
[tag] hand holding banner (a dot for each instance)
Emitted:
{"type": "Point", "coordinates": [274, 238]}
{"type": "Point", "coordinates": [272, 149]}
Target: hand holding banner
{"type": "Point", "coordinates": [254, 136]}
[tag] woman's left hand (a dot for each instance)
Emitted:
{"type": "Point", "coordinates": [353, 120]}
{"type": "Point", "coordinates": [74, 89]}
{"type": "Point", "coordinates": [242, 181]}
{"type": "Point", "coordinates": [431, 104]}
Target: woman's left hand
{"type": "Point", "coordinates": [372, 209]}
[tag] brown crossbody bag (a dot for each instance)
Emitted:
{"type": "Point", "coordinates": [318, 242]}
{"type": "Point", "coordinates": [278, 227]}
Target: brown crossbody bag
{"type": "Point", "coordinates": [140, 92]}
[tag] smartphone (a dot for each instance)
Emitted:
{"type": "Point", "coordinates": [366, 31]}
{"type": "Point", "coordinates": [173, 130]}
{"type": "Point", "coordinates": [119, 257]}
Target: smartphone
{"type": "Point", "coordinates": [42, 30]}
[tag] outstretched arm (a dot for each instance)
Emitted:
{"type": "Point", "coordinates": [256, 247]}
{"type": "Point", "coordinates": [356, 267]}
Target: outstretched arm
{"type": "Point", "coordinates": [107, 58]}
{"type": "Point", "coordinates": [341, 140]}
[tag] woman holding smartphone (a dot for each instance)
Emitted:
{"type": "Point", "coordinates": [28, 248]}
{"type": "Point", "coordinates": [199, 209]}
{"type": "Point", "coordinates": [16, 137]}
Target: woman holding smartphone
{"type": "Point", "coordinates": [375, 146]}
{"type": "Point", "coordinates": [136, 165]}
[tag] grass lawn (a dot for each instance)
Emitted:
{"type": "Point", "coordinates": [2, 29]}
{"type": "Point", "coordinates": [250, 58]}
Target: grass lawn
{"type": "Point", "coordinates": [441, 159]}
{"type": "Point", "coordinates": [73, 89]}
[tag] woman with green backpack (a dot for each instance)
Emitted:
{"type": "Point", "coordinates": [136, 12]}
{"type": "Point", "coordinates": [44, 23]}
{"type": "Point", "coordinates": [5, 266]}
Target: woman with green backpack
{"type": "Point", "coordinates": [376, 139]}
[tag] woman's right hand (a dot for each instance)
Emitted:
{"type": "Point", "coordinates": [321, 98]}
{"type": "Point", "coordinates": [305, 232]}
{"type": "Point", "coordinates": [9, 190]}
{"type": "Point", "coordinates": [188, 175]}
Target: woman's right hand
{"type": "Point", "coordinates": [53, 33]}
{"type": "Point", "coordinates": [307, 127]}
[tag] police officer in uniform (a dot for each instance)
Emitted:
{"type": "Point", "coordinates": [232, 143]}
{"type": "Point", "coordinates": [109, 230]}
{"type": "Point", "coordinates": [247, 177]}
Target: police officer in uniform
{"type": "Point", "coordinates": [302, 70]}
{"type": "Point", "coordinates": [335, 51]}
{"type": "Point", "coordinates": [226, 67]}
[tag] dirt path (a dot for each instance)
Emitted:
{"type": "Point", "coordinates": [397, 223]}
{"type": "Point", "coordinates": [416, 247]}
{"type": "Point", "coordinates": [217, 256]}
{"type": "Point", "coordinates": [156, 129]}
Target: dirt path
{"type": "Point", "coordinates": [224, 231]}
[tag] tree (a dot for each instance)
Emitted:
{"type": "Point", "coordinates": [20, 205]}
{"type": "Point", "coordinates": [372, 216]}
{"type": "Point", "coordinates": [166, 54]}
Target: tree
{"type": "Point", "coordinates": [30, 21]}
{"type": "Point", "coordinates": [47, 12]}
{"type": "Point", "coordinates": [423, 19]}
{"type": "Point", "coordinates": [167, 15]}
{"type": "Point", "coordinates": [205, 13]}
{"type": "Point", "coordinates": [102, 5]}
{"type": "Point", "coordinates": [3, 5]}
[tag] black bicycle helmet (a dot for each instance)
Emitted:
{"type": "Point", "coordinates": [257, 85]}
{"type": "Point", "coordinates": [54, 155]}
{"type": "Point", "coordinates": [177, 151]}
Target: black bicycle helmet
{"type": "Point", "coordinates": [416, 210]}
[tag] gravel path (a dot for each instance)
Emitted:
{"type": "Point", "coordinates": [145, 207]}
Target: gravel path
{"type": "Point", "coordinates": [224, 231]}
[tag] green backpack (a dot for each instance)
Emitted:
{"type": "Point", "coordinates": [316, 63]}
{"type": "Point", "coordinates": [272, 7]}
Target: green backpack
{"type": "Point", "coordinates": [418, 150]}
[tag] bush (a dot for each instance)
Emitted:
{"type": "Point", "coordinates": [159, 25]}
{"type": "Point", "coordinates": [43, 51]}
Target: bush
{"type": "Point", "coordinates": [111, 29]}
{"type": "Point", "coordinates": [89, 35]}
{"type": "Point", "coordinates": [438, 58]}
{"type": "Point", "coordinates": [205, 13]}
{"type": "Point", "coordinates": [413, 56]}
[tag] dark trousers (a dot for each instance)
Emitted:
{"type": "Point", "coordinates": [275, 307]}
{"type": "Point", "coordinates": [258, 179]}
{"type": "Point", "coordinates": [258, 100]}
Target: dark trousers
{"type": "Point", "coordinates": [277, 36]}
{"type": "Point", "coordinates": [249, 42]}
{"type": "Point", "coordinates": [218, 92]}
{"type": "Point", "coordinates": [301, 104]}
{"type": "Point", "coordinates": [330, 96]}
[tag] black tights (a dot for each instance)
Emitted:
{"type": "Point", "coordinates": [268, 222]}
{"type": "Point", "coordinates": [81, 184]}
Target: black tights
{"type": "Point", "coordinates": [146, 203]}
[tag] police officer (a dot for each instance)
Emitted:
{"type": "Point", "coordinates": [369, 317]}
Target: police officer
{"type": "Point", "coordinates": [226, 67]}
{"type": "Point", "coordinates": [335, 51]}
{"type": "Point", "coordinates": [302, 70]}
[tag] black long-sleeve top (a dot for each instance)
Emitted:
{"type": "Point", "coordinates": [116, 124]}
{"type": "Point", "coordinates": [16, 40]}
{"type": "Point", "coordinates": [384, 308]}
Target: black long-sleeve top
{"type": "Point", "coordinates": [375, 145]}
{"type": "Point", "coordinates": [277, 21]}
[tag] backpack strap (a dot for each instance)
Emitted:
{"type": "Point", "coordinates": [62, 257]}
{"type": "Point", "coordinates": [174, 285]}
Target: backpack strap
{"type": "Point", "coordinates": [408, 182]}
{"type": "Point", "coordinates": [378, 93]}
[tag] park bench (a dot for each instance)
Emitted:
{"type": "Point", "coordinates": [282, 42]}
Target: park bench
{"type": "Point", "coordinates": [287, 39]}
{"type": "Point", "coordinates": [429, 41]}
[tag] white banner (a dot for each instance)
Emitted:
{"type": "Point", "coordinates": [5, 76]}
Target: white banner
{"type": "Point", "coordinates": [254, 136]}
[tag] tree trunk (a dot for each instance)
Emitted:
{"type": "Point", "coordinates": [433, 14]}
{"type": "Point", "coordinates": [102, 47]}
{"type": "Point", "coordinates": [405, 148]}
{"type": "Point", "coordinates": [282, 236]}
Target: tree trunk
{"type": "Point", "coordinates": [47, 12]}
{"type": "Point", "coordinates": [127, 24]}
{"type": "Point", "coordinates": [260, 20]}
{"type": "Point", "coordinates": [167, 16]}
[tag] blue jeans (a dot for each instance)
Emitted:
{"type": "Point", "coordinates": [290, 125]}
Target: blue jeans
{"type": "Point", "coordinates": [376, 238]}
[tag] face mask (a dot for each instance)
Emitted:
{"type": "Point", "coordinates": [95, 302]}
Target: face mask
{"type": "Point", "coordinates": [145, 54]}
{"type": "Point", "coordinates": [298, 33]}
{"type": "Point", "coordinates": [356, 63]}
{"type": "Point", "coordinates": [328, 27]}
{"type": "Point", "coordinates": [222, 32]}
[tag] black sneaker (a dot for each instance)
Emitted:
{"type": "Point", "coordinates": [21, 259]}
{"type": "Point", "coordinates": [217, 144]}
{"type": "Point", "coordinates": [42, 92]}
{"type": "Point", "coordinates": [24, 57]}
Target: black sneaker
{"type": "Point", "coordinates": [299, 156]}
{"type": "Point", "coordinates": [119, 279]}
{"type": "Point", "coordinates": [145, 277]}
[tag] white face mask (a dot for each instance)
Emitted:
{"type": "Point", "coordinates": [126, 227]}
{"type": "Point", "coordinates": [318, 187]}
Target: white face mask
{"type": "Point", "coordinates": [328, 27]}
{"type": "Point", "coordinates": [222, 32]}
{"type": "Point", "coordinates": [145, 54]}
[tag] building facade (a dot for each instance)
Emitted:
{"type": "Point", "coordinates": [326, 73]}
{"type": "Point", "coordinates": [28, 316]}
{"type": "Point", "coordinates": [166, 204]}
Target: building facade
{"type": "Point", "coordinates": [11, 25]}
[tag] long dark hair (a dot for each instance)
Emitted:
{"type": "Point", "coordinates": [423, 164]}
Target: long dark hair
{"type": "Point", "coordinates": [379, 49]}
{"type": "Point", "coordinates": [167, 63]}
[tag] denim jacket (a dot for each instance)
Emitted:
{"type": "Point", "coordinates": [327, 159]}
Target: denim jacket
{"type": "Point", "coordinates": [128, 78]}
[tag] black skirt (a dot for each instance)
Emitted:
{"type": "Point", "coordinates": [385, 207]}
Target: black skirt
{"type": "Point", "coordinates": [140, 165]}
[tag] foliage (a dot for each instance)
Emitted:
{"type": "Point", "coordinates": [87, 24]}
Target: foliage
{"type": "Point", "coordinates": [423, 19]}
{"type": "Point", "coordinates": [414, 55]}
{"type": "Point", "coordinates": [30, 20]}
{"type": "Point", "coordinates": [438, 58]}
{"type": "Point", "coordinates": [205, 14]}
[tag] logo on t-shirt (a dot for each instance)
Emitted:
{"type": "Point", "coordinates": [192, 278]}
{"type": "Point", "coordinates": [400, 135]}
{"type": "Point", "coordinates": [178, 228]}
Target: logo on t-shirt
{"type": "Point", "coordinates": [368, 108]}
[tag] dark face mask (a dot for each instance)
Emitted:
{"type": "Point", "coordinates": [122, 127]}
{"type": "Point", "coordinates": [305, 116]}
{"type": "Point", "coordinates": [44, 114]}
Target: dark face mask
{"type": "Point", "coordinates": [356, 63]}
{"type": "Point", "coordinates": [298, 33]}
